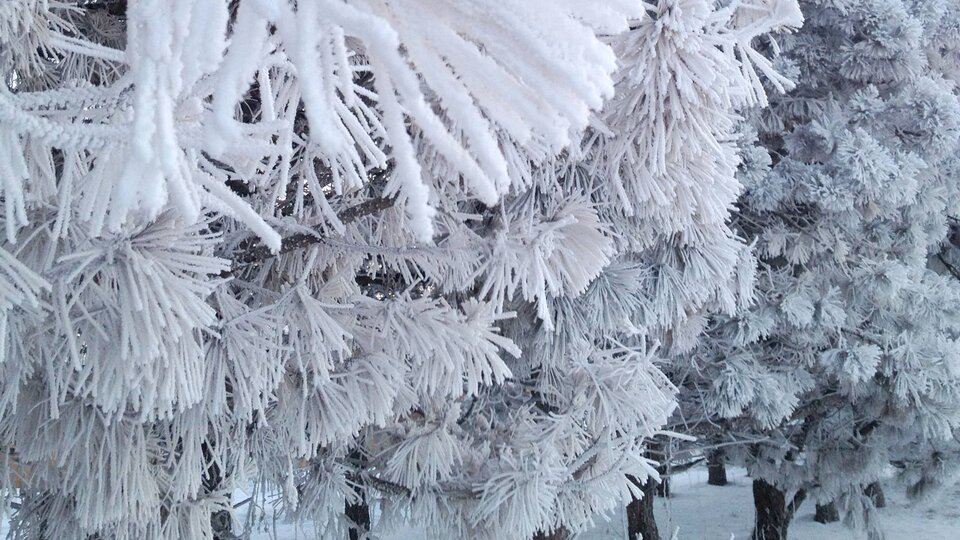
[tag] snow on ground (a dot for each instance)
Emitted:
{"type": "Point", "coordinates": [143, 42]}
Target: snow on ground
{"type": "Point", "coordinates": [697, 511]}
{"type": "Point", "coordinates": [704, 512]}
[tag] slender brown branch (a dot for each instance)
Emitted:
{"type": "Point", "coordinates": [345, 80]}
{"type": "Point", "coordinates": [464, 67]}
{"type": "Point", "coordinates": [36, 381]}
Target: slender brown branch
{"type": "Point", "coordinates": [823, 403]}
{"type": "Point", "coordinates": [862, 337]}
{"type": "Point", "coordinates": [260, 252]}
{"type": "Point", "coordinates": [387, 486]}
{"type": "Point", "coordinates": [953, 269]}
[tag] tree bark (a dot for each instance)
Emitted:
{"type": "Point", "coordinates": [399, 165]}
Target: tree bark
{"type": "Point", "coordinates": [356, 508]}
{"type": "Point", "coordinates": [663, 487]}
{"type": "Point", "coordinates": [221, 521]}
{"type": "Point", "coordinates": [716, 468]}
{"type": "Point", "coordinates": [827, 513]}
{"type": "Point", "coordinates": [359, 515]}
{"type": "Point", "coordinates": [641, 522]}
{"type": "Point", "coordinates": [560, 533]}
{"type": "Point", "coordinates": [875, 492]}
{"type": "Point", "coordinates": [773, 513]}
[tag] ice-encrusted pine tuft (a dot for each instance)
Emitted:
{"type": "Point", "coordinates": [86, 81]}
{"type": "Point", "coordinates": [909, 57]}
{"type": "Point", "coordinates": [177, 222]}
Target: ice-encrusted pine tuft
{"type": "Point", "coordinates": [356, 253]}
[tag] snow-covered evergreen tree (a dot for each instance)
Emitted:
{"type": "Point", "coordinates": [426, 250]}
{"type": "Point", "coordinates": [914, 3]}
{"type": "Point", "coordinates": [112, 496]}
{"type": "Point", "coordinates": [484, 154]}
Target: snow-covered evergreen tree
{"type": "Point", "coordinates": [661, 175]}
{"type": "Point", "coordinates": [849, 352]}
{"type": "Point", "coordinates": [359, 251]}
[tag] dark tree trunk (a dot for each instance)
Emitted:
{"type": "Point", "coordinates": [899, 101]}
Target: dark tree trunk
{"type": "Point", "coordinates": [663, 487]}
{"type": "Point", "coordinates": [716, 468]}
{"type": "Point", "coordinates": [641, 523]}
{"type": "Point", "coordinates": [875, 492]}
{"type": "Point", "coordinates": [359, 515]}
{"type": "Point", "coordinates": [827, 513]}
{"type": "Point", "coordinates": [221, 522]}
{"type": "Point", "coordinates": [556, 534]}
{"type": "Point", "coordinates": [356, 509]}
{"type": "Point", "coordinates": [773, 513]}
{"type": "Point", "coordinates": [659, 452]}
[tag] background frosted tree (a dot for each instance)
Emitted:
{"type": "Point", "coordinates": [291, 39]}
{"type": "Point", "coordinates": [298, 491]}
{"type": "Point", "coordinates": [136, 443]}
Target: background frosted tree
{"type": "Point", "coordinates": [328, 249]}
{"type": "Point", "coordinates": [668, 169]}
{"type": "Point", "coordinates": [849, 352]}
{"type": "Point", "coordinates": [661, 178]}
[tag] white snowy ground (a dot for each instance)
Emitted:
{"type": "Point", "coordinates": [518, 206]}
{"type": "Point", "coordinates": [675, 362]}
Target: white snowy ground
{"type": "Point", "coordinates": [704, 512]}
{"type": "Point", "coordinates": [697, 511]}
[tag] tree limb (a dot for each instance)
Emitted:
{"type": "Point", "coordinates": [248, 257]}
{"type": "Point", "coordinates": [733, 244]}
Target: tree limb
{"type": "Point", "coordinates": [260, 252]}
{"type": "Point", "coordinates": [953, 269]}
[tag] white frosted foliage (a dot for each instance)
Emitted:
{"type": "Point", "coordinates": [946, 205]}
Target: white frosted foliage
{"type": "Point", "coordinates": [848, 355]}
{"type": "Point", "coordinates": [427, 257]}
